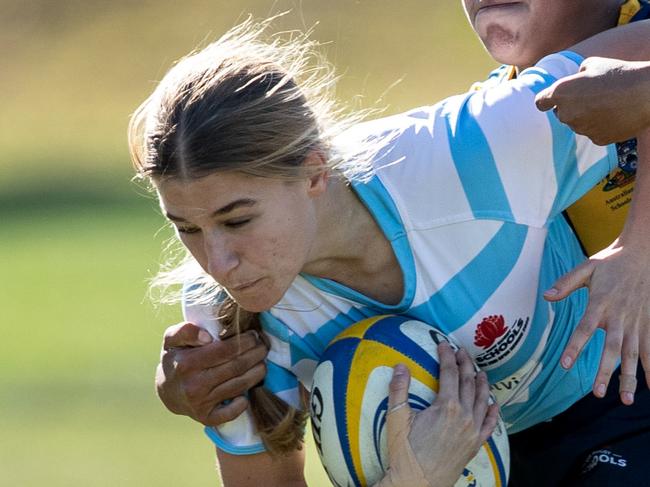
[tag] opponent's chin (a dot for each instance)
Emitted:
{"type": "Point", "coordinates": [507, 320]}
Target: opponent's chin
{"type": "Point", "coordinates": [500, 30]}
{"type": "Point", "coordinates": [505, 45]}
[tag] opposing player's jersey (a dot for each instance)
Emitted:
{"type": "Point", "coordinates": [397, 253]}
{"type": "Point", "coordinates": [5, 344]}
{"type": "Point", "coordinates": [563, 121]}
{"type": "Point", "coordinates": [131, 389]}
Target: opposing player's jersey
{"type": "Point", "coordinates": [469, 193]}
{"type": "Point", "coordinates": [598, 217]}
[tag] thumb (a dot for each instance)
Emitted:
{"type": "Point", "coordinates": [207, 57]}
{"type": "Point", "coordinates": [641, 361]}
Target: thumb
{"type": "Point", "coordinates": [185, 335]}
{"type": "Point", "coordinates": [545, 99]}
{"type": "Point", "coordinates": [398, 416]}
{"type": "Point", "coordinates": [571, 281]}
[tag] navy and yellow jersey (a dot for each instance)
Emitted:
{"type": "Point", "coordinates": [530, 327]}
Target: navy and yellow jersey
{"type": "Point", "coordinates": [598, 217]}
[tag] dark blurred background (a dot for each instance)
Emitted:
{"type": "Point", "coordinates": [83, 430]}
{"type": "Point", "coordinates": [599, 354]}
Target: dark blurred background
{"type": "Point", "coordinates": [79, 240]}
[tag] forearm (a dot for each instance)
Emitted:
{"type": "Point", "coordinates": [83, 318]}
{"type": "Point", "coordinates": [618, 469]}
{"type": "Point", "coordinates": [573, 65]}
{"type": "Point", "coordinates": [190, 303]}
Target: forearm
{"type": "Point", "coordinates": [262, 469]}
{"type": "Point", "coordinates": [636, 232]}
{"type": "Point", "coordinates": [643, 93]}
{"type": "Point", "coordinates": [624, 42]}
{"type": "Point", "coordinates": [636, 81]}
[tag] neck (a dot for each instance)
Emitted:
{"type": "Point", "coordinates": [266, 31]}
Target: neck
{"type": "Point", "coordinates": [346, 230]}
{"type": "Point", "coordinates": [352, 249]}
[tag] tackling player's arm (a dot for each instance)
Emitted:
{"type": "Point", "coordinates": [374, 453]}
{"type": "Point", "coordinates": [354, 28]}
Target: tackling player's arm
{"type": "Point", "coordinates": [616, 276]}
{"type": "Point", "coordinates": [618, 43]}
{"type": "Point", "coordinates": [619, 299]}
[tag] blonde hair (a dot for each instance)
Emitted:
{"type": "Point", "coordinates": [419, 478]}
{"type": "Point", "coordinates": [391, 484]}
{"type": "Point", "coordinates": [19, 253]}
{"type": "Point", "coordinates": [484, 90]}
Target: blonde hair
{"type": "Point", "coordinates": [259, 107]}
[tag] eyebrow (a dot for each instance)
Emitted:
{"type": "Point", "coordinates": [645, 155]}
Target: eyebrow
{"type": "Point", "coordinates": [243, 202]}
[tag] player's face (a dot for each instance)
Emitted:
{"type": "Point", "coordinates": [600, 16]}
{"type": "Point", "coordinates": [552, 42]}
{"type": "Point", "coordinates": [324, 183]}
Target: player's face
{"type": "Point", "coordinates": [521, 32]}
{"type": "Point", "coordinates": [251, 234]}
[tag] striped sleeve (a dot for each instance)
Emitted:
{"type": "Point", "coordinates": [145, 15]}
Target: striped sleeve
{"type": "Point", "coordinates": [515, 162]}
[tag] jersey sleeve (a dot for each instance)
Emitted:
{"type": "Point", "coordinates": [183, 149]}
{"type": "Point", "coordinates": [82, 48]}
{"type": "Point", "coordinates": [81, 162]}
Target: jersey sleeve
{"type": "Point", "coordinates": [514, 161]}
{"type": "Point", "coordinates": [239, 436]}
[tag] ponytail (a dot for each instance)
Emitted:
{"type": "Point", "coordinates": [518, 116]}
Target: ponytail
{"type": "Point", "coordinates": [280, 426]}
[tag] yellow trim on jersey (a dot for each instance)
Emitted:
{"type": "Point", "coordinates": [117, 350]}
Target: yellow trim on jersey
{"type": "Point", "coordinates": [628, 10]}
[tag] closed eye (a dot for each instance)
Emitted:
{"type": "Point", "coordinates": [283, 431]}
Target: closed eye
{"type": "Point", "coordinates": [188, 230]}
{"type": "Point", "coordinates": [237, 223]}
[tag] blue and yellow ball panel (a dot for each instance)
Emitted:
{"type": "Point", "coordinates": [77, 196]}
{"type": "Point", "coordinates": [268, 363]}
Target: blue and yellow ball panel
{"type": "Point", "coordinates": [349, 401]}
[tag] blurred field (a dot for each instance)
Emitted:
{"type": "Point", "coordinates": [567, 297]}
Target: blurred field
{"type": "Point", "coordinates": [77, 406]}
{"type": "Point", "coordinates": [78, 241]}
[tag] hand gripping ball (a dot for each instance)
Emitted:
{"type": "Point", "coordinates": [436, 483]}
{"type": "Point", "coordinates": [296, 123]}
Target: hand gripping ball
{"type": "Point", "coordinates": [349, 400]}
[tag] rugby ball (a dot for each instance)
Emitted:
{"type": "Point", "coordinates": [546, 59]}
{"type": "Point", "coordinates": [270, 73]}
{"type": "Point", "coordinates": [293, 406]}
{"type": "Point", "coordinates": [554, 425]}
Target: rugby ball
{"type": "Point", "coordinates": [349, 400]}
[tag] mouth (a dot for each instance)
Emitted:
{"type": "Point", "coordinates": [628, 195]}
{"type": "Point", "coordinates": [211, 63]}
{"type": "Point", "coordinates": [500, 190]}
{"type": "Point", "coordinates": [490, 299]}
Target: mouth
{"type": "Point", "coordinates": [245, 286]}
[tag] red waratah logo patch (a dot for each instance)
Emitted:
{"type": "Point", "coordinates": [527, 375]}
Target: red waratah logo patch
{"type": "Point", "coordinates": [489, 330]}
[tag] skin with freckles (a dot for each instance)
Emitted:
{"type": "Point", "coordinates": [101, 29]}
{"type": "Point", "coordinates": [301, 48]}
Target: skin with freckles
{"type": "Point", "coordinates": [252, 235]}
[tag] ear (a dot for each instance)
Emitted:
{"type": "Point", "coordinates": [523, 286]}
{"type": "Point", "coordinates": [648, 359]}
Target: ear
{"type": "Point", "coordinates": [316, 165]}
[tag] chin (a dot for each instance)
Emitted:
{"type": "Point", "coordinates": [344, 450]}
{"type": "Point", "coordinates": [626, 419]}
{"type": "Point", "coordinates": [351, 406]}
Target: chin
{"type": "Point", "coordinates": [258, 302]}
{"type": "Point", "coordinates": [507, 51]}
{"type": "Point", "coordinates": [255, 305]}
{"type": "Point", "coordinates": [510, 57]}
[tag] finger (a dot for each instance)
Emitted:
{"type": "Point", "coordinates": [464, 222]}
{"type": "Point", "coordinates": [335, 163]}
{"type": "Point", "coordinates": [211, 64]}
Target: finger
{"type": "Point", "coordinates": [482, 399]}
{"type": "Point", "coordinates": [571, 281]}
{"type": "Point", "coordinates": [238, 365]}
{"type": "Point", "coordinates": [448, 373]}
{"type": "Point", "coordinates": [629, 362]}
{"type": "Point", "coordinates": [398, 389]}
{"type": "Point", "coordinates": [220, 351]}
{"type": "Point", "coordinates": [581, 335]}
{"type": "Point", "coordinates": [590, 61]}
{"type": "Point", "coordinates": [238, 385]}
{"type": "Point", "coordinates": [645, 356]}
{"type": "Point", "coordinates": [185, 335]}
{"type": "Point", "coordinates": [611, 353]}
{"type": "Point", "coordinates": [549, 97]}
{"type": "Point", "coordinates": [398, 415]}
{"type": "Point", "coordinates": [225, 412]}
{"type": "Point", "coordinates": [545, 99]}
{"type": "Point", "coordinates": [202, 396]}
{"type": "Point", "coordinates": [490, 422]}
{"type": "Point", "coordinates": [467, 386]}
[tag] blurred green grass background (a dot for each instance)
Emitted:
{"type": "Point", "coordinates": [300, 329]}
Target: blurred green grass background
{"type": "Point", "coordinates": [78, 240]}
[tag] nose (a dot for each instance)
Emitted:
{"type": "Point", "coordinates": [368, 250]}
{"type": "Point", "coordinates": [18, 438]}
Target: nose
{"type": "Point", "coordinates": [221, 257]}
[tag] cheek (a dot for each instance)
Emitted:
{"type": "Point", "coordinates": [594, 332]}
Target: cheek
{"type": "Point", "coordinates": [194, 244]}
{"type": "Point", "coordinates": [286, 242]}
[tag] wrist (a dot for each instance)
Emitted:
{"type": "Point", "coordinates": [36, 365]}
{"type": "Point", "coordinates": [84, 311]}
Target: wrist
{"type": "Point", "coordinates": [390, 480]}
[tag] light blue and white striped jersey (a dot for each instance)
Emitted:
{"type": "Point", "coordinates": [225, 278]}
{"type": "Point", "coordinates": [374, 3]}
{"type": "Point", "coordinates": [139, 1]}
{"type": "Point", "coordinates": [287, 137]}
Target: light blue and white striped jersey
{"type": "Point", "coordinates": [469, 192]}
